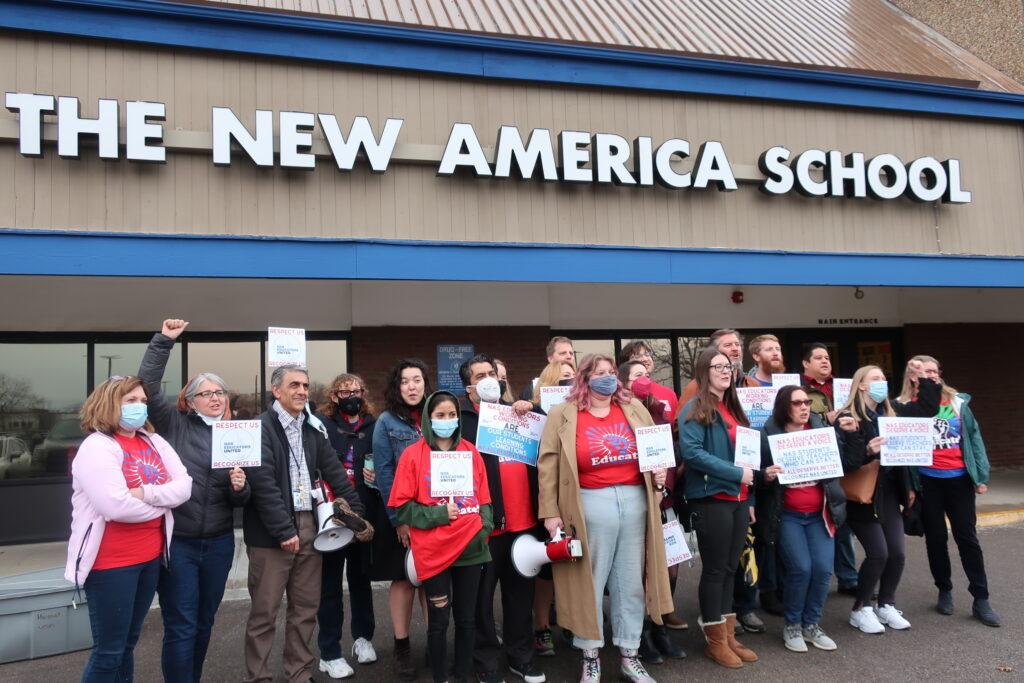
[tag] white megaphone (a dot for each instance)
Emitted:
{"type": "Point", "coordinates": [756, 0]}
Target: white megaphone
{"type": "Point", "coordinates": [330, 535]}
{"type": "Point", "coordinates": [529, 554]}
{"type": "Point", "coordinates": [410, 569]}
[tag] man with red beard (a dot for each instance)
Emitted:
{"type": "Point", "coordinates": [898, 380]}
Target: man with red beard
{"type": "Point", "coordinates": [766, 351]}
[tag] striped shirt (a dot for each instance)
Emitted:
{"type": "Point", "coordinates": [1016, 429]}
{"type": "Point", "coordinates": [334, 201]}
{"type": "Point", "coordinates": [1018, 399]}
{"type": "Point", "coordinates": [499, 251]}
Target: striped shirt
{"type": "Point", "coordinates": [298, 470]}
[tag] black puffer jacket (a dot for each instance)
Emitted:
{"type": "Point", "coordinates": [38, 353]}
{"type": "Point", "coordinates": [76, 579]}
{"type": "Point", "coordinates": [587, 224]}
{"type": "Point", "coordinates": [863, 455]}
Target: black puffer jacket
{"type": "Point", "coordinates": [770, 496]}
{"type": "Point", "coordinates": [210, 510]}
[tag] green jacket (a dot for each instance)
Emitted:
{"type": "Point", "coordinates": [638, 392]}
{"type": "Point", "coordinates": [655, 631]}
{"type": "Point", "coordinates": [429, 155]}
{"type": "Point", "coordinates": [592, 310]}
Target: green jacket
{"type": "Point", "coordinates": [971, 444]}
{"type": "Point", "coordinates": [708, 454]}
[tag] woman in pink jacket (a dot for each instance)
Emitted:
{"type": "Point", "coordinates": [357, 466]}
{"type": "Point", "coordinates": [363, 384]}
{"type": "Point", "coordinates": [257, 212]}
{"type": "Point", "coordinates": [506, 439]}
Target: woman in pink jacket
{"type": "Point", "coordinates": [125, 480]}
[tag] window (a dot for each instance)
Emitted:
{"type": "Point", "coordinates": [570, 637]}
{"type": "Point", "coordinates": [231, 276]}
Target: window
{"type": "Point", "coordinates": [238, 364]}
{"type": "Point", "coordinates": [326, 359]}
{"type": "Point", "coordinates": [689, 349]}
{"type": "Point", "coordinates": [661, 354]}
{"type": "Point", "coordinates": [42, 387]}
{"type": "Point", "coordinates": [124, 359]}
{"type": "Point", "coordinates": [584, 347]}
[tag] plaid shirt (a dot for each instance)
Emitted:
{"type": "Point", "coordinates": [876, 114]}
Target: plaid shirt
{"type": "Point", "coordinates": [298, 470]}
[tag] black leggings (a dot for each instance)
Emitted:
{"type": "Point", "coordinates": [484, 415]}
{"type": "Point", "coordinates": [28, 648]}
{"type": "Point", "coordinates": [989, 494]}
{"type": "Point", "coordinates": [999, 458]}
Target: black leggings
{"type": "Point", "coordinates": [953, 498]}
{"type": "Point", "coordinates": [721, 527]}
{"type": "Point", "coordinates": [454, 586]}
{"type": "Point", "coordinates": [884, 553]}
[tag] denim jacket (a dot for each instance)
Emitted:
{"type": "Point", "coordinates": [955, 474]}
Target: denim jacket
{"type": "Point", "coordinates": [391, 436]}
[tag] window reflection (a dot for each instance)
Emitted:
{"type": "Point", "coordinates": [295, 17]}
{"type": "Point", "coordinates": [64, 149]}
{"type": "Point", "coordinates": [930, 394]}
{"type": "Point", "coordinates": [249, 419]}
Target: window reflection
{"type": "Point", "coordinates": [689, 349]}
{"type": "Point", "coordinates": [325, 359]}
{"type": "Point", "coordinates": [661, 354]}
{"type": "Point", "coordinates": [124, 359]}
{"type": "Point", "coordinates": [42, 386]}
{"type": "Point", "coordinates": [584, 347]}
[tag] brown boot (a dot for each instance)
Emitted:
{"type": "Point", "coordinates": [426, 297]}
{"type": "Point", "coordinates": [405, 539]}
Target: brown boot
{"type": "Point", "coordinates": [743, 652]}
{"type": "Point", "coordinates": [718, 649]}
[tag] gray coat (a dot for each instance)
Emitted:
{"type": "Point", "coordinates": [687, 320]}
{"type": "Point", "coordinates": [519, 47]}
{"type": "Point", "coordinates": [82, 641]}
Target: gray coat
{"type": "Point", "coordinates": [210, 510]}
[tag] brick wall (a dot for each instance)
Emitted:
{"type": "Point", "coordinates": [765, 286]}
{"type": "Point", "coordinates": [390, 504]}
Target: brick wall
{"type": "Point", "coordinates": [375, 350]}
{"type": "Point", "coordinates": [982, 360]}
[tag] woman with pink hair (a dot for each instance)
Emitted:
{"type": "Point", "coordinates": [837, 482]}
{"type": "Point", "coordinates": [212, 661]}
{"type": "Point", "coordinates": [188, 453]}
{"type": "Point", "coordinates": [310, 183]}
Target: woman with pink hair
{"type": "Point", "coordinates": [591, 486]}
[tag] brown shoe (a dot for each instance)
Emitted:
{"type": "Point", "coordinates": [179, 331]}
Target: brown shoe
{"type": "Point", "coordinates": [742, 651]}
{"type": "Point", "coordinates": [674, 621]}
{"type": "Point", "coordinates": [717, 649]}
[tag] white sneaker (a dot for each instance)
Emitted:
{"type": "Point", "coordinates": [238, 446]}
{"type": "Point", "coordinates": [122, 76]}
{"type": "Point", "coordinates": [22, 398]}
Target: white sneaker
{"type": "Point", "coordinates": [363, 651]}
{"type": "Point", "coordinates": [818, 638]}
{"type": "Point", "coordinates": [793, 638]}
{"type": "Point", "coordinates": [865, 619]}
{"type": "Point", "coordinates": [892, 617]}
{"type": "Point", "coordinates": [336, 668]}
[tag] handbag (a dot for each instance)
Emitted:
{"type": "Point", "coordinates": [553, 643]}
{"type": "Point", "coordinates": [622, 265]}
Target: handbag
{"type": "Point", "coordinates": [859, 486]}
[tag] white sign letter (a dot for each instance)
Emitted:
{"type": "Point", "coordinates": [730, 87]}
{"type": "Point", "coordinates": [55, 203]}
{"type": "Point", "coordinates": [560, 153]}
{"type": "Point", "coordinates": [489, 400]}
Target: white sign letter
{"type": "Point", "coordinates": [712, 166]}
{"type": "Point", "coordinates": [226, 127]}
{"type": "Point", "coordinates": [360, 136]}
{"type": "Point", "coordinates": [463, 137]}
{"type": "Point", "coordinates": [296, 134]}
{"type": "Point", "coordinates": [511, 149]}
{"type": "Point", "coordinates": [70, 125]}
{"type": "Point", "coordinates": [139, 131]}
{"type": "Point", "coordinates": [30, 109]}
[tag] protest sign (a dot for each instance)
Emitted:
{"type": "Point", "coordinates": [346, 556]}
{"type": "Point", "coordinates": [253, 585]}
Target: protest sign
{"type": "Point", "coordinates": [451, 474]}
{"type": "Point", "coordinates": [840, 392]}
{"type": "Point", "coordinates": [908, 441]}
{"type": "Point", "coordinates": [237, 443]}
{"type": "Point", "coordinates": [676, 549]}
{"type": "Point", "coordinates": [552, 396]}
{"type": "Point", "coordinates": [748, 448]}
{"type": "Point", "coordinates": [807, 455]}
{"type": "Point", "coordinates": [654, 447]}
{"type": "Point", "coordinates": [757, 403]}
{"type": "Point", "coordinates": [505, 433]}
{"type": "Point", "coordinates": [286, 346]}
{"type": "Point", "coordinates": [785, 380]}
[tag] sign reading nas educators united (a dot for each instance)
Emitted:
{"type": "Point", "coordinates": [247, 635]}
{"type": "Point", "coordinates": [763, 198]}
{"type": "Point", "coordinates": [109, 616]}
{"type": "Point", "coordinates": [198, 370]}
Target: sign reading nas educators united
{"type": "Point", "coordinates": [570, 156]}
{"type": "Point", "coordinates": [236, 443]}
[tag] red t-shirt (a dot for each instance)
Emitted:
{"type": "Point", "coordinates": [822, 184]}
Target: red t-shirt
{"type": "Point", "coordinates": [515, 494]}
{"type": "Point", "coordinates": [807, 497]}
{"type": "Point", "coordinates": [606, 450]}
{"type": "Point", "coordinates": [730, 425]}
{"type": "Point", "coordinates": [123, 543]}
{"type": "Point", "coordinates": [434, 550]}
{"type": "Point", "coordinates": [667, 397]}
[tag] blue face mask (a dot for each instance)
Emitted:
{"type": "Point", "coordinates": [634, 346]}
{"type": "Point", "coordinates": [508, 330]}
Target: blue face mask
{"type": "Point", "coordinates": [133, 416]}
{"type": "Point", "coordinates": [604, 386]}
{"type": "Point", "coordinates": [444, 428]}
{"type": "Point", "coordinates": [878, 391]}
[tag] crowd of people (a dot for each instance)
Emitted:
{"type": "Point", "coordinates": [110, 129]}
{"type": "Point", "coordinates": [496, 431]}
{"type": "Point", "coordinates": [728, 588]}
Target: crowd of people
{"type": "Point", "coordinates": [152, 517]}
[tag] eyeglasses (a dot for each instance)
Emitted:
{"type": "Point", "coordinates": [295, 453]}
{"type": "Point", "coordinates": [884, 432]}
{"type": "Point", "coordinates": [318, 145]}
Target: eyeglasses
{"type": "Point", "coordinates": [345, 393]}
{"type": "Point", "coordinates": [801, 402]}
{"type": "Point", "coordinates": [721, 367]}
{"type": "Point", "coordinates": [205, 395]}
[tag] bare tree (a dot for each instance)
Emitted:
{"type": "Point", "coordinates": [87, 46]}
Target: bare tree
{"type": "Point", "coordinates": [689, 349]}
{"type": "Point", "coordinates": [16, 394]}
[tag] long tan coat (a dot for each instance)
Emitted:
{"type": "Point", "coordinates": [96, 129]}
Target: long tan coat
{"type": "Point", "coordinates": [560, 497]}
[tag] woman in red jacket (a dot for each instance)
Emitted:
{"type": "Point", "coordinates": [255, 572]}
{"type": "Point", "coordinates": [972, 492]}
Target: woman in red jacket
{"type": "Point", "coordinates": [448, 536]}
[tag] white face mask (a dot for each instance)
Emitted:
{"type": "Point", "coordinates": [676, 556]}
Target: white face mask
{"type": "Point", "coordinates": [488, 390]}
{"type": "Point", "coordinates": [209, 420]}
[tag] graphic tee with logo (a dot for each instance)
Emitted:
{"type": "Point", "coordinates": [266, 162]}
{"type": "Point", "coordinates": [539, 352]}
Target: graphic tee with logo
{"type": "Point", "coordinates": [606, 450]}
{"type": "Point", "coordinates": [124, 543]}
{"type": "Point", "coordinates": [946, 432]}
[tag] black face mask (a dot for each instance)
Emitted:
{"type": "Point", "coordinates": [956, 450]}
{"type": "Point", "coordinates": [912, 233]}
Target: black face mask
{"type": "Point", "coordinates": [565, 382]}
{"type": "Point", "coordinates": [351, 405]}
{"type": "Point", "coordinates": [502, 386]}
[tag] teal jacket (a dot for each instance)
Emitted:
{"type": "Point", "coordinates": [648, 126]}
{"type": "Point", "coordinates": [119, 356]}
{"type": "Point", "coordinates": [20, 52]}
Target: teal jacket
{"type": "Point", "coordinates": [971, 445]}
{"type": "Point", "coordinates": [708, 454]}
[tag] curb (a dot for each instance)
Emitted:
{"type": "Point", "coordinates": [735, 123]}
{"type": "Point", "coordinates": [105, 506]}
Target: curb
{"type": "Point", "coordinates": [1000, 518]}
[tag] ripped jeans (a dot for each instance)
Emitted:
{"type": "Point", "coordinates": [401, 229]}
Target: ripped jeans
{"type": "Point", "coordinates": [453, 590]}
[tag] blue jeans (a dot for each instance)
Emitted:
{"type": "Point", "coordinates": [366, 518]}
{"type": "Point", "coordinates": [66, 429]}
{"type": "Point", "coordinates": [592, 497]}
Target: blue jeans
{"type": "Point", "coordinates": [845, 557]}
{"type": "Point", "coordinates": [616, 519]}
{"type": "Point", "coordinates": [807, 551]}
{"type": "Point", "coordinates": [191, 588]}
{"type": "Point", "coordinates": [331, 615]}
{"type": "Point", "coordinates": [119, 600]}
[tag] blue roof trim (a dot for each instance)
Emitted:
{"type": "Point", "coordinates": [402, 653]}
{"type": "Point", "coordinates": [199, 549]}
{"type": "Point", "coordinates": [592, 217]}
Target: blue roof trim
{"type": "Point", "coordinates": [396, 47]}
{"type": "Point", "coordinates": [44, 252]}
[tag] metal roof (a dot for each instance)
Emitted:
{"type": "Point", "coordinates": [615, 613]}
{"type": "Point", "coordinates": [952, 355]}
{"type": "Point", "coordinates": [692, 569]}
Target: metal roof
{"type": "Point", "coordinates": [861, 36]}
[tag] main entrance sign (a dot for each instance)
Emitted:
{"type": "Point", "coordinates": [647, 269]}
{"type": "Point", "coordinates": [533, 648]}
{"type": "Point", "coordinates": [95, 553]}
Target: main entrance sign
{"type": "Point", "coordinates": [568, 157]}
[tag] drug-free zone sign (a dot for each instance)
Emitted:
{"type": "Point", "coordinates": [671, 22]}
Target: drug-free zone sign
{"type": "Point", "coordinates": [569, 157]}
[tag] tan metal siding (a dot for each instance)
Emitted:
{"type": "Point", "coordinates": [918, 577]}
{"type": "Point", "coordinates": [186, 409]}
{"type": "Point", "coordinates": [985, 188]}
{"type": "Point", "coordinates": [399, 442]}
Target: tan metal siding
{"type": "Point", "coordinates": [191, 195]}
{"type": "Point", "coordinates": [859, 35]}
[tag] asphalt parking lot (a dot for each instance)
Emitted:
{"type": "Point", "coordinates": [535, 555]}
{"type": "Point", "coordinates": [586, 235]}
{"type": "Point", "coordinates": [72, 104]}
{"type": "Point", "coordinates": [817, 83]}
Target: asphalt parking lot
{"type": "Point", "coordinates": [936, 648]}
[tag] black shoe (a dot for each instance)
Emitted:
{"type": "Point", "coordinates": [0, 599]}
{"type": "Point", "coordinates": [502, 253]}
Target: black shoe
{"type": "Point", "coordinates": [848, 589]}
{"type": "Point", "coordinates": [665, 644]}
{"type": "Point", "coordinates": [984, 613]}
{"type": "Point", "coordinates": [945, 603]}
{"type": "Point", "coordinates": [527, 671]}
{"type": "Point", "coordinates": [648, 651]}
{"type": "Point", "coordinates": [404, 667]}
{"type": "Point", "coordinates": [490, 677]}
{"type": "Point", "coordinates": [751, 623]}
{"type": "Point", "coordinates": [543, 643]}
{"type": "Point", "coordinates": [771, 604]}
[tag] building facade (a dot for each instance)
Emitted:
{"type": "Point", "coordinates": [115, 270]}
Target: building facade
{"type": "Point", "coordinates": [395, 183]}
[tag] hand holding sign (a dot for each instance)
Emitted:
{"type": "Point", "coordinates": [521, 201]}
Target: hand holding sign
{"type": "Point", "coordinates": [453, 509]}
{"type": "Point", "coordinates": [748, 448]}
{"type": "Point", "coordinates": [807, 455]}
{"type": "Point", "coordinates": [908, 441]}
{"type": "Point", "coordinates": [236, 443]}
{"type": "Point", "coordinates": [451, 474]}
{"type": "Point", "coordinates": [654, 448]}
